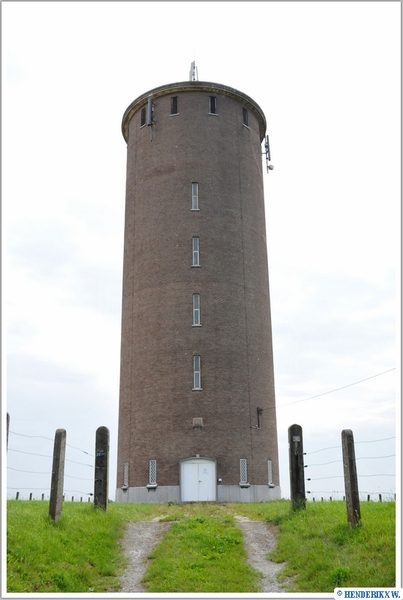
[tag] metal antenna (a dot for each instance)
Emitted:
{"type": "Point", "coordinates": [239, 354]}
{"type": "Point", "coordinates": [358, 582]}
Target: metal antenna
{"type": "Point", "coordinates": [193, 74]}
{"type": "Point", "coordinates": [267, 153]}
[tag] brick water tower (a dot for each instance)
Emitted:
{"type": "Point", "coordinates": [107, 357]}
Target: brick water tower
{"type": "Point", "coordinates": [197, 416]}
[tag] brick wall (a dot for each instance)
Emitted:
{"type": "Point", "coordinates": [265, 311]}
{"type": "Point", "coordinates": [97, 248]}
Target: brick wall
{"type": "Point", "coordinates": [157, 403]}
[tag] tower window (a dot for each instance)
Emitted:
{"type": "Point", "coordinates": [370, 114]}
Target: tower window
{"type": "Point", "coordinates": [174, 105]}
{"type": "Point", "coordinates": [212, 105]}
{"type": "Point", "coordinates": [196, 309]}
{"type": "Point", "coordinates": [245, 117]}
{"type": "Point", "coordinates": [195, 252]}
{"type": "Point", "coordinates": [196, 373]}
{"type": "Point", "coordinates": [243, 472]}
{"type": "Point", "coordinates": [143, 117]}
{"type": "Point", "coordinates": [195, 196]}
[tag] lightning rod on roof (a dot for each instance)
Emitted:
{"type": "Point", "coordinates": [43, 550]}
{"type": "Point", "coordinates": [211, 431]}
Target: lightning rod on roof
{"type": "Point", "coordinates": [193, 74]}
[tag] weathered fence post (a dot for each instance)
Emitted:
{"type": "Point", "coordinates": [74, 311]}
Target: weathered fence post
{"type": "Point", "coordinates": [8, 427]}
{"type": "Point", "coordinates": [101, 467]}
{"type": "Point", "coordinates": [56, 486]}
{"type": "Point", "coordinates": [297, 475]}
{"type": "Point", "coordinates": [350, 478]}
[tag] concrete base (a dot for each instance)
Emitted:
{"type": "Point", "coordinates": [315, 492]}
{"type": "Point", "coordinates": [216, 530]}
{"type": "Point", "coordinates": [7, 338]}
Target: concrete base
{"type": "Point", "coordinates": [254, 493]}
{"type": "Point", "coordinates": [225, 493]}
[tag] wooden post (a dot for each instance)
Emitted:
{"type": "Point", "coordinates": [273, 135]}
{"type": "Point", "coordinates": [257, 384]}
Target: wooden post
{"type": "Point", "coordinates": [17, 495]}
{"type": "Point", "coordinates": [297, 475]}
{"type": "Point", "coordinates": [8, 427]}
{"type": "Point", "coordinates": [56, 487]}
{"type": "Point", "coordinates": [101, 467]}
{"type": "Point", "coordinates": [350, 478]}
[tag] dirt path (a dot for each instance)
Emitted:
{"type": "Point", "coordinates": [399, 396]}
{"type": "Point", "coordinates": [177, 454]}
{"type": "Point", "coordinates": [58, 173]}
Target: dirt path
{"type": "Point", "coordinates": [140, 539]}
{"type": "Point", "coordinates": [143, 536]}
{"type": "Point", "coordinates": [260, 539]}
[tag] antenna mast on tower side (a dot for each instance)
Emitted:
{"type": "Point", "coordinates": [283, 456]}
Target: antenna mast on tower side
{"type": "Point", "coordinates": [193, 74]}
{"type": "Point", "coordinates": [269, 167]}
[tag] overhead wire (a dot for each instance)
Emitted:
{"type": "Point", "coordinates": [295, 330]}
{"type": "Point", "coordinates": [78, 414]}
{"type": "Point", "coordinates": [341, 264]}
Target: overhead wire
{"type": "Point", "coordinates": [337, 389]}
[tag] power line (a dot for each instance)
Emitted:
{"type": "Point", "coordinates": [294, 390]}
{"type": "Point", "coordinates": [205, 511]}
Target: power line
{"type": "Point", "coordinates": [33, 472]}
{"type": "Point", "coordinates": [374, 441]}
{"type": "Point", "coordinates": [337, 389]}
{"type": "Point", "coordinates": [357, 458]}
{"type": "Point", "coordinates": [362, 442]}
{"type": "Point", "coordinates": [50, 439]}
{"type": "Point", "coordinates": [48, 473]}
{"type": "Point", "coordinates": [48, 456]}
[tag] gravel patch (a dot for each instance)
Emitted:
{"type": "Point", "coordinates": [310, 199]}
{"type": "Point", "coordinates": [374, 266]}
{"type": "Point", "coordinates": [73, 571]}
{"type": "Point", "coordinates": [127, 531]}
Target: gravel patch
{"type": "Point", "coordinates": [141, 537]}
{"type": "Point", "coordinates": [139, 540]}
{"type": "Point", "coordinates": [260, 539]}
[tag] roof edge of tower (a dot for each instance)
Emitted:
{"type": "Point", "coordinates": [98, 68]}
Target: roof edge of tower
{"type": "Point", "coordinates": [193, 86]}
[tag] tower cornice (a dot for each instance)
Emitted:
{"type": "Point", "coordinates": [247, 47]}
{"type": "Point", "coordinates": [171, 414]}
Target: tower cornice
{"type": "Point", "coordinates": [193, 86]}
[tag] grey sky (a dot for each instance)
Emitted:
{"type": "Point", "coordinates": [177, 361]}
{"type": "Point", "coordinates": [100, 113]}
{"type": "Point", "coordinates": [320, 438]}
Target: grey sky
{"type": "Point", "coordinates": [327, 76]}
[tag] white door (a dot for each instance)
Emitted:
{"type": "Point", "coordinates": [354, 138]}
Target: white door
{"type": "Point", "coordinates": [198, 480]}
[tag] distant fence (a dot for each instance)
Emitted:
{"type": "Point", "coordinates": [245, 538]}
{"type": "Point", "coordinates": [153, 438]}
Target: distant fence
{"type": "Point", "coordinates": [29, 466]}
{"type": "Point", "coordinates": [303, 486]}
{"type": "Point", "coordinates": [335, 471]}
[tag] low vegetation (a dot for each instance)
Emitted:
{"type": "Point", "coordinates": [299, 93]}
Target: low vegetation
{"type": "Point", "coordinates": [203, 551]}
{"type": "Point", "coordinates": [321, 552]}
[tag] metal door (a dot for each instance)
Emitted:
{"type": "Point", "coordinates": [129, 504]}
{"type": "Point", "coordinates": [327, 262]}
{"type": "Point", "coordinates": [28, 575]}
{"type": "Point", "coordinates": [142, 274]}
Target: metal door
{"type": "Point", "coordinates": [198, 480]}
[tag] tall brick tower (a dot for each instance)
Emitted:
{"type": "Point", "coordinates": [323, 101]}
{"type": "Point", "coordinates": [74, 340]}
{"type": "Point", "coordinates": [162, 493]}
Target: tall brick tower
{"type": "Point", "coordinates": [197, 418]}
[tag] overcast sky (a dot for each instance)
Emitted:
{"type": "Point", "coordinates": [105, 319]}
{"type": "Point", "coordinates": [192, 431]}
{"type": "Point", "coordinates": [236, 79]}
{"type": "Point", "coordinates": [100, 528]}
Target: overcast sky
{"type": "Point", "coordinates": [327, 76]}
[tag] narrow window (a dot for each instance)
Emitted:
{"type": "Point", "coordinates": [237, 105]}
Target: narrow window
{"type": "Point", "coordinates": [213, 105]}
{"type": "Point", "coordinates": [196, 373]}
{"type": "Point", "coordinates": [143, 117]}
{"type": "Point", "coordinates": [174, 105]}
{"type": "Point", "coordinates": [243, 472]}
{"type": "Point", "coordinates": [196, 309]}
{"type": "Point", "coordinates": [259, 417]}
{"type": "Point", "coordinates": [195, 252]}
{"type": "Point", "coordinates": [245, 117]}
{"type": "Point", "coordinates": [195, 196]}
{"type": "Point", "coordinates": [152, 472]}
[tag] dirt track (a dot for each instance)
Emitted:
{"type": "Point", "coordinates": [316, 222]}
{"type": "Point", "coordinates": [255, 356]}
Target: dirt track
{"type": "Point", "coordinates": [143, 536]}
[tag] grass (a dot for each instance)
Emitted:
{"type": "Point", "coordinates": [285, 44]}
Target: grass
{"type": "Point", "coordinates": [79, 554]}
{"type": "Point", "coordinates": [203, 551]}
{"type": "Point", "coordinates": [322, 552]}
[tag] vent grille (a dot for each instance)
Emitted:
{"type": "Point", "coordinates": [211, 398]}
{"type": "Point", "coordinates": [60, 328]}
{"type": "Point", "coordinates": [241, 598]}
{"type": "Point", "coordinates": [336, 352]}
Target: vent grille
{"type": "Point", "coordinates": [270, 471]}
{"type": "Point", "coordinates": [126, 475]}
{"type": "Point", "coordinates": [152, 472]}
{"type": "Point", "coordinates": [243, 471]}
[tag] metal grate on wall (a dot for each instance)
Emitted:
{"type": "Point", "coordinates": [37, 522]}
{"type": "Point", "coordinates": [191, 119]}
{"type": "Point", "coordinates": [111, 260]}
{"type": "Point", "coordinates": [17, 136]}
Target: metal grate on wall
{"type": "Point", "coordinates": [270, 473]}
{"type": "Point", "coordinates": [243, 471]}
{"type": "Point", "coordinates": [152, 472]}
{"type": "Point", "coordinates": [125, 475]}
